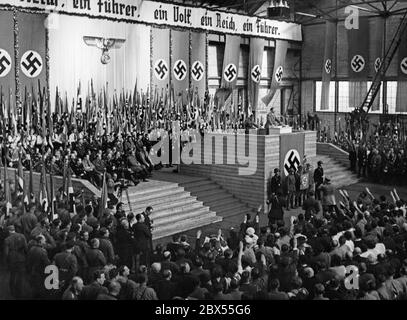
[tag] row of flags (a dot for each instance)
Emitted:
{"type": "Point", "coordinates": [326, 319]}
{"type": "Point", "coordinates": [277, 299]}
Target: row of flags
{"type": "Point", "coordinates": [119, 113]}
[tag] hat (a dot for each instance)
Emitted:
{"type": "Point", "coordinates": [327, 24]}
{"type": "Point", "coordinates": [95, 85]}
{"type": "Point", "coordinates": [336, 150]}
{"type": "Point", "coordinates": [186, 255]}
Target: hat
{"type": "Point", "coordinates": [250, 231]}
{"type": "Point", "coordinates": [320, 162]}
{"type": "Point", "coordinates": [357, 251]}
{"type": "Point", "coordinates": [276, 170]}
{"type": "Point", "coordinates": [166, 254]}
{"type": "Point", "coordinates": [308, 272]}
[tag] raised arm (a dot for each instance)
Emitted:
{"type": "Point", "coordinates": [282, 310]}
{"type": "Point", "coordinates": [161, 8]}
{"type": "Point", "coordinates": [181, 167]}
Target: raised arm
{"type": "Point", "coordinates": [369, 193]}
{"type": "Point", "coordinates": [239, 258]}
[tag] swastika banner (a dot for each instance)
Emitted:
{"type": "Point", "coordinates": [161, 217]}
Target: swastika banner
{"type": "Point", "coordinates": [401, 96]}
{"type": "Point", "coordinates": [161, 72]}
{"type": "Point", "coordinates": [358, 50]}
{"type": "Point", "coordinates": [7, 71]}
{"type": "Point", "coordinates": [377, 30]}
{"type": "Point", "coordinates": [230, 69]}
{"type": "Point", "coordinates": [291, 151]}
{"type": "Point", "coordinates": [180, 62]}
{"type": "Point", "coordinates": [31, 41]}
{"type": "Point", "coordinates": [254, 70]}
{"type": "Point", "coordinates": [328, 63]}
{"type": "Point", "coordinates": [278, 70]}
{"type": "Point", "coordinates": [402, 58]}
{"type": "Point", "coordinates": [198, 62]}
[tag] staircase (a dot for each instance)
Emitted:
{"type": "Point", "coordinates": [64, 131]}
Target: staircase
{"type": "Point", "coordinates": [175, 209]}
{"type": "Point", "coordinates": [216, 198]}
{"type": "Point", "coordinates": [335, 170]}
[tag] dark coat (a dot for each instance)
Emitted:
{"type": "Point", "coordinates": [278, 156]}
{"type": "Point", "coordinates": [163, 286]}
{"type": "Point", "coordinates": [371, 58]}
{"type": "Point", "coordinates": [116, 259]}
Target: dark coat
{"type": "Point", "coordinates": [142, 236]}
{"type": "Point", "coordinates": [15, 249]}
{"type": "Point", "coordinates": [319, 175]}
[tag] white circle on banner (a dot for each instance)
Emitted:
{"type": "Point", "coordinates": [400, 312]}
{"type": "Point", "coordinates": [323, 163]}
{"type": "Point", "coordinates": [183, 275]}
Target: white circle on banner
{"type": "Point", "coordinates": [256, 73]}
{"type": "Point", "coordinates": [230, 72]}
{"type": "Point", "coordinates": [358, 63]}
{"type": "Point", "coordinates": [279, 74]}
{"type": "Point", "coordinates": [180, 70]}
{"type": "Point", "coordinates": [31, 64]}
{"type": "Point", "coordinates": [328, 66]}
{"type": "Point", "coordinates": [403, 65]}
{"type": "Point", "coordinates": [5, 63]}
{"type": "Point", "coordinates": [291, 160]}
{"type": "Point", "coordinates": [197, 70]}
{"type": "Point", "coordinates": [161, 69]}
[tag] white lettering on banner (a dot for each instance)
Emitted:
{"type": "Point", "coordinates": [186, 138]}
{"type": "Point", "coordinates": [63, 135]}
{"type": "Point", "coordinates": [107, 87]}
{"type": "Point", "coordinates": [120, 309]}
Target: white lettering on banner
{"type": "Point", "coordinates": [168, 14]}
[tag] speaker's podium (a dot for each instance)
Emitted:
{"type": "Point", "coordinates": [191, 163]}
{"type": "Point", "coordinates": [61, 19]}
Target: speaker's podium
{"type": "Point", "coordinates": [280, 130]}
{"type": "Point", "coordinates": [242, 163]}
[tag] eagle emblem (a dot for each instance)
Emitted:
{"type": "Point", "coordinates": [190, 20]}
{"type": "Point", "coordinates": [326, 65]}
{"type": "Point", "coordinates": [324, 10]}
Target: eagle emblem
{"type": "Point", "coordinates": [105, 44]}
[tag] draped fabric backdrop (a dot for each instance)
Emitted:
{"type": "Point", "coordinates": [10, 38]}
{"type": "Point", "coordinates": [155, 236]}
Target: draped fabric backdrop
{"type": "Point", "coordinates": [180, 62]}
{"type": "Point", "coordinates": [278, 70]}
{"type": "Point", "coordinates": [231, 62]}
{"type": "Point", "coordinates": [328, 67]}
{"type": "Point", "coordinates": [31, 41]}
{"type": "Point", "coordinates": [198, 62]}
{"type": "Point", "coordinates": [358, 50]}
{"type": "Point", "coordinates": [7, 65]}
{"type": "Point", "coordinates": [161, 60]}
{"type": "Point", "coordinates": [401, 96]}
{"type": "Point", "coordinates": [358, 62]}
{"type": "Point", "coordinates": [377, 30]}
{"type": "Point", "coordinates": [72, 61]}
{"type": "Point", "coordinates": [254, 71]}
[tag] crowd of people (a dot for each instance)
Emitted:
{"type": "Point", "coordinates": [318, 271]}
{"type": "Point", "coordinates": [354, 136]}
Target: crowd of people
{"type": "Point", "coordinates": [111, 257]}
{"type": "Point", "coordinates": [381, 156]}
{"type": "Point", "coordinates": [93, 254]}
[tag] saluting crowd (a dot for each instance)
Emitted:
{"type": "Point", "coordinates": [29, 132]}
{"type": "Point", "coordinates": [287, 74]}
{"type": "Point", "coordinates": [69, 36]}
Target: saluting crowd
{"type": "Point", "coordinates": [111, 257]}
{"type": "Point", "coordinates": [108, 254]}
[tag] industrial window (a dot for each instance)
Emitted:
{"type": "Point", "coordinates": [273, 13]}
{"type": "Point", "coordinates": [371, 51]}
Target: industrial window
{"type": "Point", "coordinates": [377, 107]}
{"type": "Point", "coordinates": [343, 96]}
{"type": "Point", "coordinates": [318, 88]}
{"type": "Point", "coordinates": [391, 97]}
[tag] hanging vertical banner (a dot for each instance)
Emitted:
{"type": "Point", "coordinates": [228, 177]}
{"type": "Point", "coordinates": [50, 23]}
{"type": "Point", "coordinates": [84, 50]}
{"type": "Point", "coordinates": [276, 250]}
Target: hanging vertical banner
{"type": "Point", "coordinates": [278, 70]}
{"type": "Point", "coordinates": [7, 71]}
{"type": "Point", "coordinates": [402, 62]}
{"type": "Point", "coordinates": [161, 59]}
{"type": "Point", "coordinates": [231, 62]}
{"type": "Point", "coordinates": [291, 151]}
{"type": "Point", "coordinates": [31, 45]}
{"type": "Point", "coordinates": [377, 54]}
{"type": "Point", "coordinates": [254, 70]}
{"type": "Point", "coordinates": [180, 61]}
{"type": "Point", "coordinates": [328, 67]}
{"type": "Point", "coordinates": [401, 95]}
{"type": "Point", "coordinates": [198, 62]}
{"type": "Point", "coordinates": [377, 30]}
{"type": "Point", "coordinates": [358, 50]}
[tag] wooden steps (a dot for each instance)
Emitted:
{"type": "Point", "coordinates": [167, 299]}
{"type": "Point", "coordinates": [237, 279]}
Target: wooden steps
{"type": "Point", "coordinates": [175, 209]}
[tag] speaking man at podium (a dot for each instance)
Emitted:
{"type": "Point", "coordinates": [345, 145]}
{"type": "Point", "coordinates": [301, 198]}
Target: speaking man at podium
{"type": "Point", "coordinates": [272, 120]}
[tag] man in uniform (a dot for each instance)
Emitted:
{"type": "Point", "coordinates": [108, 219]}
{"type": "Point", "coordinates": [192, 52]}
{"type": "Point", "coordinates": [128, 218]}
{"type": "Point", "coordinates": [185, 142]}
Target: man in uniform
{"type": "Point", "coordinates": [37, 260]}
{"type": "Point", "coordinates": [15, 250]}
{"type": "Point", "coordinates": [272, 120]}
{"type": "Point", "coordinates": [318, 178]}
{"type": "Point", "coordinates": [67, 264]}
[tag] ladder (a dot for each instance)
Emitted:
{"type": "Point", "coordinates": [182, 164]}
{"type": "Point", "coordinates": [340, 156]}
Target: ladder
{"type": "Point", "coordinates": [379, 76]}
